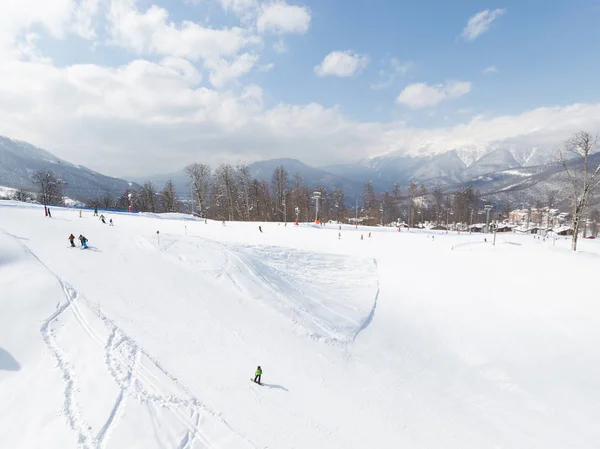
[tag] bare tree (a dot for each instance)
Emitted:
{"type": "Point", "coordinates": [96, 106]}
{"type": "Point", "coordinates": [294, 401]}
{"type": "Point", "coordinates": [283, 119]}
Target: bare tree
{"type": "Point", "coordinates": [550, 195]}
{"type": "Point", "coordinates": [337, 198]}
{"type": "Point", "coordinates": [168, 198]}
{"type": "Point", "coordinates": [21, 195]}
{"type": "Point", "coordinates": [438, 201]}
{"type": "Point", "coordinates": [224, 192]}
{"type": "Point", "coordinates": [50, 187]}
{"type": "Point", "coordinates": [200, 177]}
{"type": "Point", "coordinates": [106, 200]}
{"type": "Point", "coordinates": [244, 184]}
{"type": "Point", "coordinates": [279, 182]}
{"type": "Point", "coordinates": [147, 197]}
{"type": "Point", "coordinates": [412, 194]}
{"type": "Point", "coordinates": [582, 175]}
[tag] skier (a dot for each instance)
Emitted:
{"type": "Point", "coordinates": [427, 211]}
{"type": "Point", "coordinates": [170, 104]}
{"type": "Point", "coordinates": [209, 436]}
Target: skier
{"type": "Point", "coordinates": [95, 211]}
{"type": "Point", "coordinates": [110, 223]}
{"type": "Point", "coordinates": [257, 375]}
{"type": "Point", "coordinates": [83, 241]}
{"type": "Point", "coordinates": [79, 213]}
{"type": "Point", "coordinates": [369, 235]}
{"type": "Point", "coordinates": [49, 214]}
{"type": "Point", "coordinates": [72, 240]}
{"type": "Point", "coordinates": [103, 219]}
{"type": "Point", "coordinates": [361, 236]}
{"type": "Point", "coordinates": [260, 228]}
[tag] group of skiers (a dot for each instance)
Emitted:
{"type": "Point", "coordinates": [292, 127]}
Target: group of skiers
{"type": "Point", "coordinates": [81, 238]}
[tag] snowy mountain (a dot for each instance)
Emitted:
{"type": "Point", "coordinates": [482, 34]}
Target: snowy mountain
{"type": "Point", "coordinates": [149, 342]}
{"type": "Point", "coordinates": [20, 160]}
{"type": "Point", "coordinates": [504, 169]}
{"type": "Point", "coordinates": [311, 176]}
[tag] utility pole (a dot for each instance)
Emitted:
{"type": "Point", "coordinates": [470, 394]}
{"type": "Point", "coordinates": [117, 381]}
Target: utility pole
{"type": "Point", "coordinates": [487, 208]}
{"type": "Point", "coordinates": [192, 192]}
{"type": "Point", "coordinates": [284, 211]}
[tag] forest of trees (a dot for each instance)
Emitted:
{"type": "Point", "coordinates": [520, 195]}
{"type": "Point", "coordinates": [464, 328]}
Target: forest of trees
{"type": "Point", "coordinates": [230, 193]}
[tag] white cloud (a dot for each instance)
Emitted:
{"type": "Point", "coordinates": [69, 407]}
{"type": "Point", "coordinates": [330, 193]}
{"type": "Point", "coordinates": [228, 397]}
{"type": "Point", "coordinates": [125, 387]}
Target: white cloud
{"type": "Point", "coordinates": [490, 69]}
{"type": "Point", "coordinates": [223, 71]}
{"type": "Point", "coordinates": [121, 120]}
{"type": "Point", "coordinates": [149, 116]}
{"type": "Point", "coordinates": [280, 18]}
{"type": "Point", "coordinates": [239, 6]}
{"type": "Point", "coordinates": [341, 63]}
{"type": "Point", "coordinates": [480, 23]}
{"type": "Point", "coordinates": [422, 95]}
{"type": "Point", "coordinates": [150, 32]}
{"type": "Point", "coordinates": [280, 46]}
{"type": "Point", "coordinates": [387, 77]}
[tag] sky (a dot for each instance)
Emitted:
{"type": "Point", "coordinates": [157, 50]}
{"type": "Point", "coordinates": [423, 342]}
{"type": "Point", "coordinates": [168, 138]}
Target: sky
{"type": "Point", "coordinates": [136, 87]}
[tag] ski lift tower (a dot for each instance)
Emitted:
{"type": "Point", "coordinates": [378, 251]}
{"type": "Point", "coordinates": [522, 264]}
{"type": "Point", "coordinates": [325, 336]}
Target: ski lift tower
{"type": "Point", "coordinates": [316, 196]}
{"type": "Point", "coordinates": [487, 208]}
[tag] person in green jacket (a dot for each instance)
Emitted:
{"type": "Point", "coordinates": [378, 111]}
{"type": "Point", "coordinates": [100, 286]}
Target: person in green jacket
{"type": "Point", "coordinates": [257, 375]}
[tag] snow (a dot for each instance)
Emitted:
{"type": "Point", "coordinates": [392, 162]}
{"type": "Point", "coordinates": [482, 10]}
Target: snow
{"type": "Point", "coordinates": [516, 173]}
{"type": "Point", "coordinates": [7, 192]}
{"type": "Point", "coordinates": [149, 340]}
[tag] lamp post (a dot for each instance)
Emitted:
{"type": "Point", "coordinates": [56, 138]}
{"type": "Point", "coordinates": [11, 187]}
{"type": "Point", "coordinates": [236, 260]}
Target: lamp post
{"type": "Point", "coordinates": [487, 208]}
{"type": "Point", "coordinates": [316, 196]}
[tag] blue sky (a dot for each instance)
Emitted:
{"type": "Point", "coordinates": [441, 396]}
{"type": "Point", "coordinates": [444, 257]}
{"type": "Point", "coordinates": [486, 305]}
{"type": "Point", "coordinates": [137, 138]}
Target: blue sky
{"type": "Point", "coordinates": [163, 82]}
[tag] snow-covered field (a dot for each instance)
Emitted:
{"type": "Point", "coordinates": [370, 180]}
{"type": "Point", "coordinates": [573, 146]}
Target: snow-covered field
{"type": "Point", "coordinates": [402, 340]}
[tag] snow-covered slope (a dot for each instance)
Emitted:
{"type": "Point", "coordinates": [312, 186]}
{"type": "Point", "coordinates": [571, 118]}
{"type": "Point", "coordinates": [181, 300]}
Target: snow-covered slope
{"type": "Point", "coordinates": [148, 340]}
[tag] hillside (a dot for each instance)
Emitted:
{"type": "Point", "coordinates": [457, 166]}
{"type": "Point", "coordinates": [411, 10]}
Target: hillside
{"type": "Point", "coordinates": [149, 340]}
{"type": "Point", "coordinates": [20, 160]}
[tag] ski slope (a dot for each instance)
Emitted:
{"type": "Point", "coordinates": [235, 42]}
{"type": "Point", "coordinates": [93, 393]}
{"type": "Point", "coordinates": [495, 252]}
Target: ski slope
{"type": "Point", "coordinates": [406, 339]}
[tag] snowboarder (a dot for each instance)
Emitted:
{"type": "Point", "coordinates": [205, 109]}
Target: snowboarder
{"type": "Point", "coordinates": [72, 240]}
{"type": "Point", "coordinates": [257, 375]}
{"type": "Point", "coordinates": [110, 223]}
{"type": "Point", "coordinates": [95, 211]}
{"type": "Point", "coordinates": [49, 214]}
{"type": "Point", "coordinates": [260, 228]}
{"type": "Point", "coordinates": [83, 241]}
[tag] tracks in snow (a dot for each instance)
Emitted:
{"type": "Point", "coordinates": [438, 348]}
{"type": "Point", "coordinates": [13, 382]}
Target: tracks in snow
{"type": "Point", "coordinates": [138, 376]}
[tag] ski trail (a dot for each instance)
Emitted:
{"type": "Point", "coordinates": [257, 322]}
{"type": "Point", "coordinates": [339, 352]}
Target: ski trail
{"type": "Point", "coordinates": [138, 381]}
{"type": "Point", "coordinates": [70, 406]}
{"type": "Point", "coordinates": [119, 405]}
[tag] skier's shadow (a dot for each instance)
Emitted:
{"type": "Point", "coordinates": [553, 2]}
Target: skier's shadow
{"type": "Point", "coordinates": [278, 387]}
{"type": "Point", "coordinates": [8, 362]}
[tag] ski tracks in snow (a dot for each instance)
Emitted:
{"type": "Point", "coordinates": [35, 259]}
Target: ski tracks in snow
{"type": "Point", "coordinates": [137, 375]}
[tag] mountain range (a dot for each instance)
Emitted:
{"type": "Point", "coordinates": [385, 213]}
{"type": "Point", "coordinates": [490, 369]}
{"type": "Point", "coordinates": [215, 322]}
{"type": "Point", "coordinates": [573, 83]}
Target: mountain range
{"type": "Point", "coordinates": [508, 173]}
{"type": "Point", "coordinates": [20, 160]}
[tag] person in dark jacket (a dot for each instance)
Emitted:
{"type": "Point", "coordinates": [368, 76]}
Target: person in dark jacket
{"type": "Point", "coordinates": [72, 240]}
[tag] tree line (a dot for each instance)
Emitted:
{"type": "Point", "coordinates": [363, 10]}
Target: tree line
{"type": "Point", "coordinates": [231, 193]}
